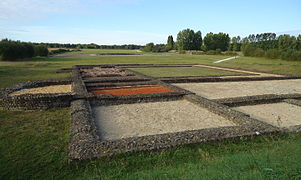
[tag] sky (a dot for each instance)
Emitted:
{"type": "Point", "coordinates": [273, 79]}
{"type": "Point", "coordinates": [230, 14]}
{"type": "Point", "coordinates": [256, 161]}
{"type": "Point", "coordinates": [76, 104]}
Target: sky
{"type": "Point", "coordinates": [142, 21]}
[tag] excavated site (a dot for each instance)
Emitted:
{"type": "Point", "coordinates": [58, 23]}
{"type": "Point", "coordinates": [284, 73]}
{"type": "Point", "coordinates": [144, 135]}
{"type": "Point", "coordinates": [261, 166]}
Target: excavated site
{"type": "Point", "coordinates": [118, 108]}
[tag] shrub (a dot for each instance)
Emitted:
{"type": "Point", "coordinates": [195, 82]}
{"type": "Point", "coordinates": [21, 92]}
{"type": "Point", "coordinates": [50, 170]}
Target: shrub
{"type": "Point", "coordinates": [296, 56]}
{"type": "Point", "coordinates": [59, 51]}
{"type": "Point", "coordinates": [148, 47]}
{"type": "Point", "coordinates": [273, 53]}
{"type": "Point", "coordinates": [197, 52]}
{"type": "Point", "coordinates": [13, 50]}
{"type": "Point", "coordinates": [230, 53]}
{"type": "Point", "coordinates": [285, 55]}
{"type": "Point", "coordinates": [248, 50]}
{"type": "Point", "coordinates": [151, 47]}
{"type": "Point", "coordinates": [213, 52]}
{"type": "Point", "coordinates": [259, 52]}
{"type": "Point", "coordinates": [41, 50]}
{"type": "Point", "coordinates": [291, 55]}
{"type": "Point", "coordinates": [182, 52]}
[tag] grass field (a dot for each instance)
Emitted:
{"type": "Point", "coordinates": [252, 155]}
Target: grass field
{"type": "Point", "coordinates": [44, 68]}
{"type": "Point", "coordinates": [33, 144]}
{"type": "Point", "coordinates": [105, 51]}
{"type": "Point", "coordinates": [181, 71]}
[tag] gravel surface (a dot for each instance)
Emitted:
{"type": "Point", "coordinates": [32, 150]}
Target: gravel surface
{"type": "Point", "coordinates": [130, 120]}
{"type": "Point", "coordinates": [219, 90]}
{"type": "Point", "coordinates": [44, 90]}
{"type": "Point", "coordinates": [98, 71]}
{"type": "Point", "coordinates": [278, 114]}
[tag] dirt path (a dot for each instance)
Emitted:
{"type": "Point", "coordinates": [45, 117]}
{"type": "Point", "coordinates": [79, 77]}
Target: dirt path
{"type": "Point", "coordinates": [227, 59]}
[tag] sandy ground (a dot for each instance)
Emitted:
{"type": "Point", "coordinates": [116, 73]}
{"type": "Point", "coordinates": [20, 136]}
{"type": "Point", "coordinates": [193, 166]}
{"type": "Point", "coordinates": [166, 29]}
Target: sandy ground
{"type": "Point", "coordinates": [219, 90]}
{"type": "Point", "coordinates": [278, 114]}
{"type": "Point", "coordinates": [130, 120]}
{"type": "Point", "coordinates": [44, 90]}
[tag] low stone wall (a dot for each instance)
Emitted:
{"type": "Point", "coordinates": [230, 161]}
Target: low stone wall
{"type": "Point", "coordinates": [86, 144]}
{"type": "Point", "coordinates": [83, 134]}
{"type": "Point", "coordinates": [35, 101]}
{"type": "Point", "coordinates": [78, 86]}
{"type": "Point", "coordinates": [138, 98]}
{"type": "Point", "coordinates": [33, 84]}
{"type": "Point", "coordinates": [223, 79]}
{"type": "Point", "coordinates": [259, 99]}
{"type": "Point", "coordinates": [296, 102]}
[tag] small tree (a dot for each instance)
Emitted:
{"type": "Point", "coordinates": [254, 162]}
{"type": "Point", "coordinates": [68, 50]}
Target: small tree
{"type": "Point", "coordinates": [41, 50]}
{"type": "Point", "coordinates": [148, 47]}
{"type": "Point", "coordinates": [170, 43]}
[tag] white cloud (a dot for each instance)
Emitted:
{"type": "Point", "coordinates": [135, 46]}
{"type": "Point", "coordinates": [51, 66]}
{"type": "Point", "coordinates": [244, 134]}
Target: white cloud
{"type": "Point", "coordinates": [294, 32]}
{"type": "Point", "coordinates": [30, 9]}
{"type": "Point", "coordinates": [16, 22]}
{"type": "Point", "coordinates": [83, 35]}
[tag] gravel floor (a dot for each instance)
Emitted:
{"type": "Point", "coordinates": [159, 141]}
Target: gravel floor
{"type": "Point", "coordinates": [219, 90]}
{"type": "Point", "coordinates": [98, 71]}
{"type": "Point", "coordinates": [130, 120]}
{"type": "Point", "coordinates": [44, 90]}
{"type": "Point", "coordinates": [278, 114]}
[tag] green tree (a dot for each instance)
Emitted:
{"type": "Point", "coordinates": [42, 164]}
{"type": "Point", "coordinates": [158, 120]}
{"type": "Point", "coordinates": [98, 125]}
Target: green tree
{"type": "Point", "coordinates": [197, 40]}
{"type": "Point", "coordinates": [235, 44]}
{"type": "Point", "coordinates": [170, 43]}
{"type": "Point", "coordinates": [41, 50]}
{"type": "Point", "coordinates": [217, 41]}
{"type": "Point", "coordinates": [299, 43]}
{"type": "Point", "coordinates": [286, 42]}
{"type": "Point", "coordinates": [148, 47]}
{"type": "Point", "coordinates": [13, 50]}
{"type": "Point", "coordinates": [187, 39]}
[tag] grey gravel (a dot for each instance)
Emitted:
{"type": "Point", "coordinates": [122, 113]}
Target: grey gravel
{"type": "Point", "coordinates": [141, 119]}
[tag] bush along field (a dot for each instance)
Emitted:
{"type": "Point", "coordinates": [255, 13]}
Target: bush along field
{"type": "Point", "coordinates": [16, 50]}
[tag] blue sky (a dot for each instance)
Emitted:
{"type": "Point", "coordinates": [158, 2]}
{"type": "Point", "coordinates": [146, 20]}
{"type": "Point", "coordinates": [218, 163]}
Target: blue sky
{"type": "Point", "coordinates": [142, 21]}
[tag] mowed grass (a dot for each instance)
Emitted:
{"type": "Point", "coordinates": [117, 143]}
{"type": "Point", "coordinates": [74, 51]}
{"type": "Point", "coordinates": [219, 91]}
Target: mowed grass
{"type": "Point", "coordinates": [45, 68]}
{"type": "Point", "coordinates": [277, 66]}
{"type": "Point", "coordinates": [181, 71]}
{"type": "Point", "coordinates": [107, 51]}
{"type": "Point", "coordinates": [12, 73]}
{"type": "Point", "coordinates": [34, 145]}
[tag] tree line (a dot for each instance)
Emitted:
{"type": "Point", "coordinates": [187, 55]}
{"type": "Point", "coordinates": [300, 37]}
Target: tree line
{"type": "Point", "coordinates": [269, 45]}
{"type": "Point", "coordinates": [90, 46]}
{"type": "Point", "coordinates": [13, 50]}
{"type": "Point", "coordinates": [188, 39]}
